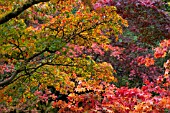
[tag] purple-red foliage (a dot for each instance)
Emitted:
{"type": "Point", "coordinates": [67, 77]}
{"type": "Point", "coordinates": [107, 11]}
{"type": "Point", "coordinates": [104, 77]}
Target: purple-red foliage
{"type": "Point", "coordinates": [147, 18]}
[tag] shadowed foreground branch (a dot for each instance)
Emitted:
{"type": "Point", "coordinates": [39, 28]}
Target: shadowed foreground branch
{"type": "Point", "coordinates": [18, 11]}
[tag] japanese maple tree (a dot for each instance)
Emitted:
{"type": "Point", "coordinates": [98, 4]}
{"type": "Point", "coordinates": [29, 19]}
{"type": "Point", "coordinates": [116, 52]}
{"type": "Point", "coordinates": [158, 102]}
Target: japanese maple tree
{"type": "Point", "coordinates": [77, 56]}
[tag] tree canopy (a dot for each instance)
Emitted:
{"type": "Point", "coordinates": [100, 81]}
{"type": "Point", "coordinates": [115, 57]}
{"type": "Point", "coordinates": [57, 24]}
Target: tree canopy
{"type": "Point", "coordinates": [84, 56]}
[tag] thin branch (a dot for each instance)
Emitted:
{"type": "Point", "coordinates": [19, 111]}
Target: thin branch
{"type": "Point", "coordinates": [18, 47]}
{"type": "Point", "coordinates": [19, 10]}
{"type": "Point", "coordinates": [87, 29]}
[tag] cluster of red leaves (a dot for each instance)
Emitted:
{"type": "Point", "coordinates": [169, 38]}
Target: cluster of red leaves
{"type": "Point", "coordinates": [145, 60]}
{"type": "Point", "coordinates": [45, 96]}
{"type": "Point", "coordinates": [162, 49]}
{"type": "Point", "coordinates": [95, 49]}
{"type": "Point", "coordinates": [6, 68]}
{"type": "Point", "coordinates": [137, 100]}
{"type": "Point", "coordinates": [135, 62]}
{"type": "Point", "coordinates": [167, 68]}
{"type": "Point", "coordinates": [119, 100]}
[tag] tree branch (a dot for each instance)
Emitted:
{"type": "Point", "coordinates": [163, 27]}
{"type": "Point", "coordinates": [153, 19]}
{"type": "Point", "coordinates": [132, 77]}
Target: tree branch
{"type": "Point", "coordinates": [19, 10]}
{"type": "Point", "coordinates": [8, 80]}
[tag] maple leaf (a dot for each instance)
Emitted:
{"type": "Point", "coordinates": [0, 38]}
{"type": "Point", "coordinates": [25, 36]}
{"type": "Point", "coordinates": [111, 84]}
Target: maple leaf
{"type": "Point", "coordinates": [149, 61]}
{"type": "Point", "coordinates": [9, 99]}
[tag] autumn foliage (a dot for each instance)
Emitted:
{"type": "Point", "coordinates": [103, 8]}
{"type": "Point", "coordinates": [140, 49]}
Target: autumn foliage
{"type": "Point", "coordinates": [83, 56]}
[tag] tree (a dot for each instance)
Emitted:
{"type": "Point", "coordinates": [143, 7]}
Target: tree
{"type": "Point", "coordinates": [52, 47]}
{"type": "Point", "coordinates": [52, 59]}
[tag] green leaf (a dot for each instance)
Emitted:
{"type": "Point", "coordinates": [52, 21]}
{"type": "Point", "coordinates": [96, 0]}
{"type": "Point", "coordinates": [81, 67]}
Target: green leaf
{"type": "Point", "coordinates": [74, 10]}
{"type": "Point", "coordinates": [21, 90]}
{"type": "Point", "coordinates": [135, 38]}
{"type": "Point", "coordinates": [120, 40]}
